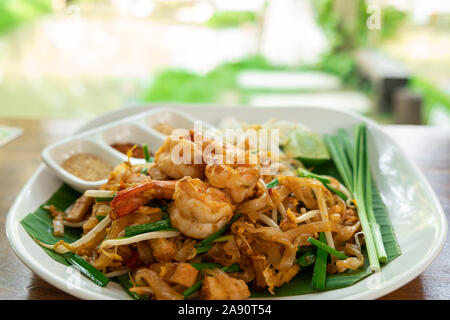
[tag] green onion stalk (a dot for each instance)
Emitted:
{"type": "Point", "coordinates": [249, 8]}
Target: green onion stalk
{"type": "Point", "coordinates": [360, 187]}
{"type": "Point", "coordinates": [320, 267]}
{"type": "Point", "coordinates": [148, 227]}
{"type": "Point", "coordinates": [272, 183]}
{"type": "Point", "coordinates": [374, 226]}
{"type": "Point", "coordinates": [327, 248]}
{"type": "Point", "coordinates": [352, 164]}
{"type": "Point", "coordinates": [86, 268]}
{"type": "Point", "coordinates": [335, 147]}
{"type": "Point", "coordinates": [324, 180]}
{"type": "Point", "coordinates": [307, 259]}
{"type": "Point", "coordinates": [147, 156]}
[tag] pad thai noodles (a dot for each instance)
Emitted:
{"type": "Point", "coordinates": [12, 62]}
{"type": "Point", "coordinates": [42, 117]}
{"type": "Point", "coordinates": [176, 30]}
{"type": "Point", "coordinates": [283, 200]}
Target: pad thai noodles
{"type": "Point", "coordinates": [211, 229]}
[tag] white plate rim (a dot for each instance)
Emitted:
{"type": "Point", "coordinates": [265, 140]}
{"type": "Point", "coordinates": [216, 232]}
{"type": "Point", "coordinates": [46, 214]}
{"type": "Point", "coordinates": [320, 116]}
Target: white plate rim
{"type": "Point", "coordinates": [13, 225]}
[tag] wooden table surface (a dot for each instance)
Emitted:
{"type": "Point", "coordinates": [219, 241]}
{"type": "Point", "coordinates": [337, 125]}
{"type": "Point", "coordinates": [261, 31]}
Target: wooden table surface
{"type": "Point", "coordinates": [429, 147]}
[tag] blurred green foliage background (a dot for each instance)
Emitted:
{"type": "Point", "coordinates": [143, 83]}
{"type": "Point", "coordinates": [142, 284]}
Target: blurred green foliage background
{"type": "Point", "coordinates": [67, 94]}
{"type": "Point", "coordinates": [16, 12]}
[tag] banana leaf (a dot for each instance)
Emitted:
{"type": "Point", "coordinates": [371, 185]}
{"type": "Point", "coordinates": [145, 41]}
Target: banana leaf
{"type": "Point", "coordinates": [39, 223]}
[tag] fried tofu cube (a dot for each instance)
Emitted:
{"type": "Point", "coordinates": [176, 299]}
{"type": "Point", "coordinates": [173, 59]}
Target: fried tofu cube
{"type": "Point", "coordinates": [163, 249]}
{"type": "Point", "coordinates": [80, 209]}
{"type": "Point", "coordinates": [223, 287]}
{"type": "Point", "coordinates": [213, 290]}
{"type": "Point", "coordinates": [184, 274]}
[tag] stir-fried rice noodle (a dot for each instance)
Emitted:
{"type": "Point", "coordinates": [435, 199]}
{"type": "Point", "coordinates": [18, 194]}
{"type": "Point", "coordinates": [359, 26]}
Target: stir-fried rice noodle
{"type": "Point", "coordinates": [264, 241]}
{"type": "Point", "coordinates": [159, 287]}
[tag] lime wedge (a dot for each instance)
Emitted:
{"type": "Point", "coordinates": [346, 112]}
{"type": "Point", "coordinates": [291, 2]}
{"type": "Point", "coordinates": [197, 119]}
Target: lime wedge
{"type": "Point", "coordinates": [307, 146]}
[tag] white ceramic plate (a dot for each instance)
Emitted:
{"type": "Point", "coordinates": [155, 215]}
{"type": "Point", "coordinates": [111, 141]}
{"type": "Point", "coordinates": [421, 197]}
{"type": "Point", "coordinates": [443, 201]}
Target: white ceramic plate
{"type": "Point", "coordinates": [416, 214]}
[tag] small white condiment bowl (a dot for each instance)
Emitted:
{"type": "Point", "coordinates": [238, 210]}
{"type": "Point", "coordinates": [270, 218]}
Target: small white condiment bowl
{"type": "Point", "coordinates": [137, 129]}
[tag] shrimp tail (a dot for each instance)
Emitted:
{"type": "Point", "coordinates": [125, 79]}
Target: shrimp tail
{"type": "Point", "coordinates": [130, 199]}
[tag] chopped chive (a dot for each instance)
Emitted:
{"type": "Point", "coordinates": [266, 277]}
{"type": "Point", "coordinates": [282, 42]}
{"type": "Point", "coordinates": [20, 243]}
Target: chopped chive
{"type": "Point", "coordinates": [327, 248]}
{"type": "Point", "coordinates": [320, 267]}
{"type": "Point", "coordinates": [147, 156]}
{"type": "Point", "coordinates": [100, 218]}
{"type": "Point", "coordinates": [307, 174]}
{"type": "Point", "coordinates": [216, 235]}
{"type": "Point", "coordinates": [307, 259]}
{"type": "Point", "coordinates": [224, 238]}
{"type": "Point", "coordinates": [204, 248]}
{"type": "Point", "coordinates": [272, 183]}
{"type": "Point", "coordinates": [206, 265]}
{"type": "Point", "coordinates": [325, 181]}
{"type": "Point", "coordinates": [86, 268]}
{"type": "Point", "coordinates": [336, 191]}
{"type": "Point", "coordinates": [195, 287]}
{"type": "Point", "coordinates": [233, 268]}
{"type": "Point", "coordinates": [126, 284]}
{"type": "Point", "coordinates": [148, 227]}
{"type": "Point", "coordinates": [104, 199]}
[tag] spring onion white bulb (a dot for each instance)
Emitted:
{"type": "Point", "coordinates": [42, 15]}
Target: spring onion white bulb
{"type": "Point", "coordinates": [100, 193]}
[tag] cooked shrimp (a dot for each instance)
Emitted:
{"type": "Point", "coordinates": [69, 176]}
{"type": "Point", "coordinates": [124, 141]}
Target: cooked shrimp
{"type": "Point", "coordinates": [155, 172]}
{"type": "Point", "coordinates": [199, 209]}
{"type": "Point", "coordinates": [130, 199]}
{"type": "Point", "coordinates": [237, 179]}
{"type": "Point", "coordinates": [180, 156]}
